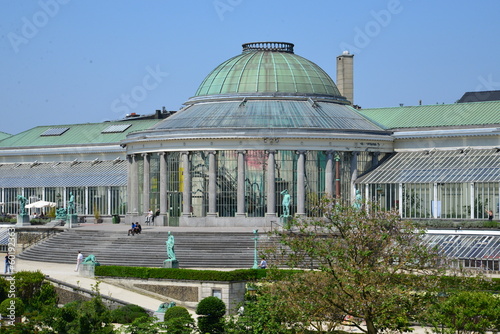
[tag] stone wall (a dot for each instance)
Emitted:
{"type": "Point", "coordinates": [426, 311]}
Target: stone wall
{"type": "Point", "coordinates": [186, 293]}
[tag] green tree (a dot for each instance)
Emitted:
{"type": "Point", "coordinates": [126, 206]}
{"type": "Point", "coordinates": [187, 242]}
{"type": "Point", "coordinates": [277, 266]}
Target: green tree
{"type": "Point", "coordinates": [143, 325]}
{"type": "Point", "coordinates": [4, 288]}
{"type": "Point", "coordinates": [465, 312]}
{"type": "Point", "coordinates": [79, 317]}
{"type": "Point", "coordinates": [211, 311]}
{"type": "Point", "coordinates": [372, 267]}
{"type": "Point", "coordinates": [127, 314]}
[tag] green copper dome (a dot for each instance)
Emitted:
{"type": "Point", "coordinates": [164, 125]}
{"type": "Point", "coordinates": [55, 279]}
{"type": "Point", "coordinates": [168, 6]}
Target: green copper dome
{"type": "Point", "coordinates": [268, 68]}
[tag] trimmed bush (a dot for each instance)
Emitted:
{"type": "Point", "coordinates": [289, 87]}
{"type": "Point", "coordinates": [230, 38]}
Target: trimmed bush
{"type": "Point", "coordinates": [176, 312]}
{"type": "Point", "coordinates": [178, 321]}
{"type": "Point", "coordinates": [212, 310]}
{"type": "Point", "coordinates": [127, 314]}
{"type": "Point", "coordinates": [181, 274]}
{"type": "Point", "coordinates": [14, 305]}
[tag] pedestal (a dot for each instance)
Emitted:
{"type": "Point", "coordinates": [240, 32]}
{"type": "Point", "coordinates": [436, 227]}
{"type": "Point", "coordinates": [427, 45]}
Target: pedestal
{"type": "Point", "coordinates": [286, 221]}
{"type": "Point", "coordinates": [87, 270]}
{"type": "Point", "coordinates": [170, 264]}
{"type": "Point", "coordinates": [160, 316]}
{"type": "Point", "coordinates": [72, 220]}
{"type": "Point", "coordinates": [23, 220]}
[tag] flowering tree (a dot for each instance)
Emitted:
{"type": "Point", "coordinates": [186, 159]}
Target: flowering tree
{"type": "Point", "coordinates": [370, 268]}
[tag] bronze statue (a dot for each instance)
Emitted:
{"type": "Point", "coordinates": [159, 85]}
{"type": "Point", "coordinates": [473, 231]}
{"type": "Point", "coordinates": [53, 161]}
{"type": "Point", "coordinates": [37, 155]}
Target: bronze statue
{"type": "Point", "coordinates": [22, 205]}
{"type": "Point", "coordinates": [286, 203]}
{"type": "Point", "coordinates": [358, 201]}
{"type": "Point", "coordinates": [170, 247]}
{"type": "Point", "coordinates": [71, 204]}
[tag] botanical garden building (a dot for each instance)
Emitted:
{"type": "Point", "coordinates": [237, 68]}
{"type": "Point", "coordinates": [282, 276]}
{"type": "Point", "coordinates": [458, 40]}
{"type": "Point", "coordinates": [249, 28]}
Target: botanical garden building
{"type": "Point", "coordinates": [266, 135]}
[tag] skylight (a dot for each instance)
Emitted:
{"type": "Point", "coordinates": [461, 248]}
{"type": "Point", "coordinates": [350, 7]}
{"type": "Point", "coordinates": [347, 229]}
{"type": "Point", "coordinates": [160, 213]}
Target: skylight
{"type": "Point", "coordinates": [54, 132]}
{"type": "Point", "coordinates": [116, 128]}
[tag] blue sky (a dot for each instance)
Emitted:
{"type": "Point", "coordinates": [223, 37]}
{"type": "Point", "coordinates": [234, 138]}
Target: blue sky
{"type": "Point", "coordinates": [69, 61]}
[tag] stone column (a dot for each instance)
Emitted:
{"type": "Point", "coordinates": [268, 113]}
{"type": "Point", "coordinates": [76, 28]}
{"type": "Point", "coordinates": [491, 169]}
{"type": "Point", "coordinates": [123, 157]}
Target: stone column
{"type": "Point", "coordinates": [240, 197]}
{"type": "Point", "coordinates": [109, 201]}
{"type": "Point", "coordinates": [271, 184]}
{"type": "Point", "coordinates": [146, 184]}
{"type": "Point", "coordinates": [400, 198]}
{"type": "Point", "coordinates": [133, 204]}
{"type": "Point", "coordinates": [186, 193]}
{"type": "Point", "coordinates": [86, 212]}
{"type": "Point", "coordinates": [337, 176]}
{"type": "Point", "coordinates": [329, 174]}
{"type": "Point", "coordinates": [301, 185]}
{"type": "Point", "coordinates": [212, 184]}
{"type": "Point", "coordinates": [354, 174]}
{"type": "Point", "coordinates": [375, 159]}
{"type": "Point", "coordinates": [163, 187]}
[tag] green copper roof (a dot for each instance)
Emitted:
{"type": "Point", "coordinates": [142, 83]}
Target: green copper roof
{"type": "Point", "coordinates": [75, 134]}
{"type": "Point", "coordinates": [4, 135]}
{"type": "Point", "coordinates": [457, 114]}
{"type": "Point", "coordinates": [268, 68]}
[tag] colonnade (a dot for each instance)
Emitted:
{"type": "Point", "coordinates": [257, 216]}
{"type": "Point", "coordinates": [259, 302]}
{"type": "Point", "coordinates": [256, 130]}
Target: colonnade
{"type": "Point", "coordinates": [332, 182]}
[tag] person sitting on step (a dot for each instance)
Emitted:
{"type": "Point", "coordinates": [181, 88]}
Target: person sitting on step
{"type": "Point", "coordinates": [132, 229]}
{"type": "Point", "coordinates": [138, 228]}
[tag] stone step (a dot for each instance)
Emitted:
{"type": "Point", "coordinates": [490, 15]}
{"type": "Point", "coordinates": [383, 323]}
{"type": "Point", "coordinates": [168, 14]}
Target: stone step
{"type": "Point", "coordinates": [193, 249]}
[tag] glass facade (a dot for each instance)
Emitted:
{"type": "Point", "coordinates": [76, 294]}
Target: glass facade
{"type": "Point", "coordinates": [256, 182]}
{"type": "Point", "coordinates": [468, 200]}
{"type": "Point", "coordinates": [452, 184]}
{"type": "Point", "coordinates": [106, 200]}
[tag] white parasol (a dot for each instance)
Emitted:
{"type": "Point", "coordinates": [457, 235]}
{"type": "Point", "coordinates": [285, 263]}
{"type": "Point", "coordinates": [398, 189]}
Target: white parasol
{"type": "Point", "coordinates": [40, 204]}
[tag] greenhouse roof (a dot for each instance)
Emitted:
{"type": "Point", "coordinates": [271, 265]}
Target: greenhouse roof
{"type": "Point", "coordinates": [265, 114]}
{"type": "Point", "coordinates": [465, 244]}
{"type": "Point", "coordinates": [450, 166]}
{"type": "Point", "coordinates": [64, 174]}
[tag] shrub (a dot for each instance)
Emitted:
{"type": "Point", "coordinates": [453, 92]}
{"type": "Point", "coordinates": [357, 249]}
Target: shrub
{"type": "Point", "coordinates": [178, 320]}
{"type": "Point", "coordinates": [127, 314]}
{"type": "Point", "coordinates": [176, 312]}
{"type": "Point", "coordinates": [490, 224]}
{"type": "Point", "coordinates": [212, 310]}
{"type": "Point", "coordinates": [12, 305]}
{"type": "Point", "coordinates": [4, 288]}
{"type": "Point", "coordinates": [181, 274]}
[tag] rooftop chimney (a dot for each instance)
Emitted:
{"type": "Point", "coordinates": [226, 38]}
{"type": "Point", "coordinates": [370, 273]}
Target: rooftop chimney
{"type": "Point", "coordinates": [345, 75]}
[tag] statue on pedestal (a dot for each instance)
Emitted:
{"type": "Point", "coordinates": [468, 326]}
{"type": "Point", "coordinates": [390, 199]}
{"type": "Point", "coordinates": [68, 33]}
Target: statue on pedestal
{"type": "Point", "coordinates": [22, 205]}
{"type": "Point", "coordinates": [286, 203]}
{"type": "Point", "coordinates": [170, 247]}
{"type": "Point", "coordinates": [171, 261]}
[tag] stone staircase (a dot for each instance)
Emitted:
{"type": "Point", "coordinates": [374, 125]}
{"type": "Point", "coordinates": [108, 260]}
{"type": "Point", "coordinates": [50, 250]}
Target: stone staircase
{"type": "Point", "coordinates": [192, 249]}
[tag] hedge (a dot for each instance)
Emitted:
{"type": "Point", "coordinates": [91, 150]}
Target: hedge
{"type": "Point", "coordinates": [180, 274]}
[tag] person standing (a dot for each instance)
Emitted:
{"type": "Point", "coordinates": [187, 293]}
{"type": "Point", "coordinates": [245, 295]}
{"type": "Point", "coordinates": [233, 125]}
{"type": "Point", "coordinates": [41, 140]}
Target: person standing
{"type": "Point", "coordinates": [79, 259]}
{"type": "Point", "coordinates": [8, 269]}
{"type": "Point", "coordinates": [490, 214]}
{"type": "Point", "coordinates": [263, 264]}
